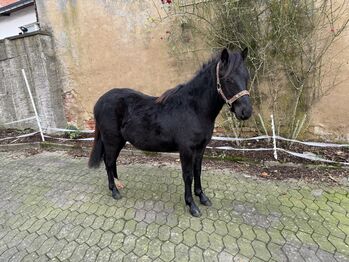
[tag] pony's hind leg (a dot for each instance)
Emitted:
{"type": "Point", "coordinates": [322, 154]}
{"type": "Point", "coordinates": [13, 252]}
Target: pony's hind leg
{"type": "Point", "coordinates": [120, 145]}
{"type": "Point", "coordinates": [111, 152]}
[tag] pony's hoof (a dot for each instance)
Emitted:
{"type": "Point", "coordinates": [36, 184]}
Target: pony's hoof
{"type": "Point", "coordinates": [204, 200]}
{"type": "Point", "coordinates": [116, 194]}
{"type": "Point", "coordinates": [195, 211]}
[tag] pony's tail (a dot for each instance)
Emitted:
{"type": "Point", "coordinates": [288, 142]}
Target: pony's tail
{"type": "Point", "coordinates": [97, 150]}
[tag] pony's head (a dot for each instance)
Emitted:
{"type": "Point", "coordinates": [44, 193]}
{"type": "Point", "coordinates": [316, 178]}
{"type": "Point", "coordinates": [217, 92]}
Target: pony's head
{"type": "Point", "coordinates": [232, 79]}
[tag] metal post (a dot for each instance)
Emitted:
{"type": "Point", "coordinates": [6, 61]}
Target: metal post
{"type": "Point", "coordinates": [274, 137]}
{"type": "Point", "coordinates": [33, 103]}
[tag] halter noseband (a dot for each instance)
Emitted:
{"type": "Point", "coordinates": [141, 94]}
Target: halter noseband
{"type": "Point", "coordinates": [220, 91]}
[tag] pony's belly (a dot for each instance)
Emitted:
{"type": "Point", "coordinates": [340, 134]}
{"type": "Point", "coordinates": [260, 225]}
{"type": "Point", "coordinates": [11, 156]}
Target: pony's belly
{"type": "Point", "coordinates": [149, 139]}
{"type": "Point", "coordinates": [158, 146]}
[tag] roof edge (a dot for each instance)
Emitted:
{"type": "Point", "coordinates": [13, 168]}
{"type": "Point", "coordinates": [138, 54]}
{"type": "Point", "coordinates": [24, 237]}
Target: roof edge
{"type": "Point", "coordinates": [15, 6]}
{"type": "Point", "coordinates": [39, 32]}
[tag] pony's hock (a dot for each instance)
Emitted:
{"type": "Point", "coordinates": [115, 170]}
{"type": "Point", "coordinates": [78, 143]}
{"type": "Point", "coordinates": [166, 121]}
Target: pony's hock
{"type": "Point", "coordinates": [180, 120]}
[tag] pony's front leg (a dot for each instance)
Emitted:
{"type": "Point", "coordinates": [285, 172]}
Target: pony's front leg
{"type": "Point", "coordinates": [197, 179]}
{"type": "Point", "coordinates": [187, 172]}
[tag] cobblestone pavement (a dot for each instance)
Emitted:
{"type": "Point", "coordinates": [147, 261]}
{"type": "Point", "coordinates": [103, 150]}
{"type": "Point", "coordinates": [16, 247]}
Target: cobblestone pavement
{"type": "Point", "coordinates": [53, 208]}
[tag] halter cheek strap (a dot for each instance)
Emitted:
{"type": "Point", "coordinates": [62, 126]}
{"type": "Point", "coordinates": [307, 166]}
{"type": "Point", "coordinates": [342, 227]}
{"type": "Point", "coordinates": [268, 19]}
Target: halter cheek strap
{"type": "Point", "coordinates": [220, 91]}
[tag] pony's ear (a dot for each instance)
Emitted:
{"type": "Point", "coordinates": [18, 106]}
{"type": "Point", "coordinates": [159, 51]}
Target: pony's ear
{"type": "Point", "coordinates": [244, 53]}
{"type": "Point", "coordinates": [225, 56]}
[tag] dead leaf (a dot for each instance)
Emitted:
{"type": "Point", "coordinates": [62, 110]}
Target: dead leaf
{"type": "Point", "coordinates": [265, 174]}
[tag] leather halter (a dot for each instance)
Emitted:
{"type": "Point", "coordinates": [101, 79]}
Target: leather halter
{"type": "Point", "coordinates": [220, 91]}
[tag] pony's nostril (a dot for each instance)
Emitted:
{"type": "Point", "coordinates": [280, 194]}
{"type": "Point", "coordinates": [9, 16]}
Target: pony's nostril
{"type": "Point", "coordinates": [246, 113]}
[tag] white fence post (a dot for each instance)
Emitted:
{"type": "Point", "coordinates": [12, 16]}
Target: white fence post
{"type": "Point", "coordinates": [274, 137]}
{"type": "Point", "coordinates": [33, 103]}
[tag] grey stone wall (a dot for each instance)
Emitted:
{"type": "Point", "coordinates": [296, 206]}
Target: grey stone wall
{"type": "Point", "coordinates": [34, 53]}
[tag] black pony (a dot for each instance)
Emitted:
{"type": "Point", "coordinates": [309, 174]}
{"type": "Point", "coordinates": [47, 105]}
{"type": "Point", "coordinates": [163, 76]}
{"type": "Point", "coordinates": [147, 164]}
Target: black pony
{"type": "Point", "coordinates": [181, 120]}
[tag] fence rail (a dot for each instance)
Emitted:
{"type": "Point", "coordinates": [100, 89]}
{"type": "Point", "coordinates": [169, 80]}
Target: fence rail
{"type": "Point", "coordinates": [306, 155]}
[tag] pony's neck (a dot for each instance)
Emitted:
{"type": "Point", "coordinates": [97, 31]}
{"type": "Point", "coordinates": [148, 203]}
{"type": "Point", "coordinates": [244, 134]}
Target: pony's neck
{"type": "Point", "coordinates": [204, 86]}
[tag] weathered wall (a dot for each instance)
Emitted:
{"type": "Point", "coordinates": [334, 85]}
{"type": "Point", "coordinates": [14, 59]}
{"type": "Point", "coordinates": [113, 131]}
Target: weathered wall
{"type": "Point", "coordinates": [105, 44]}
{"type": "Point", "coordinates": [33, 52]}
{"type": "Point", "coordinates": [330, 115]}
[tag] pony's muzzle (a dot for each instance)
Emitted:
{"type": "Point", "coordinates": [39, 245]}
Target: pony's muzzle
{"type": "Point", "coordinates": [242, 108]}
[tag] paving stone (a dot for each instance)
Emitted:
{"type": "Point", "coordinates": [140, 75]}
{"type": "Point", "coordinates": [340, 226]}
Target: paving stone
{"type": "Point", "coordinates": [104, 255]}
{"type": "Point", "coordinates": [195, 254]}
{"type": "Point", "coordinates": [27, 241]}
{"type": "Point", "coordinates": [118, 226]}
{"type": "Point", "coordinates": [46, 246]}
{"type": "Point", "coordinates": [130, 257]}
{"type": "Point", "coordinates": [245, 247]}
{"type": "Point", "coordinates": [152, 231]}
{"type": "Point", "coordinates": [341, 258]}
{"type": "Point", "coordinates": [167, 251]}
{"type": "Point", "coordinates": [36, 244]}
{"type": "Point", "coordinates": [202, 239]}
{"type": "Point", "coordinates": [31, 257]}
{"type": "Point", "coordinates": [129, 243]}
{"type": "Point", "coordinates": [291, 238]}
{"type": "Point", "coordinates": [195, 224]}
{"type": "Point", "coordinates": [36, 226]}
{"type": "Point", "coordinates": [79, 252]}
{"type": "Point", "coordinates": [129, 227]}
{"type": "Point", "coordinates": [164, 232]}
{"type": "Point", "coordinates": [98, 222]}
{"type": "Point", "coordinates": [325, 256]}
{"type": "Point", "coordinates": [91, 253]}
{"type": "Point", "coordinates": [276, 236]}
{"type": "Point", "coordinates": [141, 229]}
{"type": "Point", "coordinates": [56, 248]}
{"type": "Point", "coordinates": [230, 244]}
{"type": "Point", "coordinates": [141, 246]}
{"type": "Point", "coordinates": [117, 241]}
{"type": "Point", "coordinates": [117, 255]}
{"type": "Point", "coordinates": [19, 256]}
{"type": "Point", "coordinates": [74, 233]}
{"type": "Point", "coordinates": [247, 232]}
{"type": "Point", "coordinates": [323, 242]}
{"type": "Point", "coordinates": [210, 255]}
{"type": "Point", "coordinates": [84, 235]}
{"type": "Point", "coordinates": [67, 251]}
{"type": "Point", "coordinates": [105, 239]}
{"type": "Point", "coordinates": [261, 234]}
{"type": "Point", "coordinates": [276, 252]}
{"type": "Point", "coordinates": [17, 239]}
{"type": "Point", "coordinates": [292, 253]}
{"type": "Point", "coordinates": [6, 256]}
{"type": "Point", "coordinates": [339, 244]}
{"type": "Point", "coordinates": [308, 254]}
{"type": "Point", "coordinates": [154, 248]}
{"type": "Point", "coordinates": [221, 227]}
{"type": "Point", "coordinates": [45, 228]}
{"type": "Point", "coordinates": [261, 250]}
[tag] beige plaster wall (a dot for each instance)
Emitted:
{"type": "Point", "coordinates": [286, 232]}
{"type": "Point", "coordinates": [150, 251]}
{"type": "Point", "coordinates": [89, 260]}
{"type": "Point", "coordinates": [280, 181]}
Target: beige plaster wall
{"type": "Point", "coordinates": [103, 44]}
{"type": "Point", "coordinates": [330, 115]}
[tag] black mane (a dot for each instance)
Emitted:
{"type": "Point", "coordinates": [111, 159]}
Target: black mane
{"type": "Point", "coordinates": [235, 60]}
